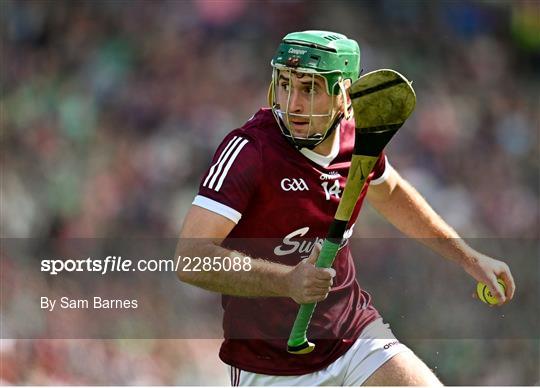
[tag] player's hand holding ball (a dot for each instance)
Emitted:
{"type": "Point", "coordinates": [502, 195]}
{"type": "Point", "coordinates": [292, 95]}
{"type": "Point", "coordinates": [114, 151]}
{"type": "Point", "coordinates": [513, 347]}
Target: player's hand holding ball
{"type": "Point", "coordinates": [484, 294]}
{"type": "Point", "coordinates": [495, 281]}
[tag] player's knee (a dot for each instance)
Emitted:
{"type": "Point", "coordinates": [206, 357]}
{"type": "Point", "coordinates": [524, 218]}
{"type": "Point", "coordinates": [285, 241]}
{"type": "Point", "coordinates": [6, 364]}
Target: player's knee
{"type": "Point", "coordinates": [423, 374]}
{"type": "Point", "coordinates": [404, 369]}
{"type": "Point", "coordinates": [416, 372]}
{"type": "Point", "coordinates": [426, 378]}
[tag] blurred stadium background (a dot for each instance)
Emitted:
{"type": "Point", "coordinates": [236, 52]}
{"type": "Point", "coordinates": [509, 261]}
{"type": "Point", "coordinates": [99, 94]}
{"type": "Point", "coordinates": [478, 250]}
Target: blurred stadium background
{"type": "Point", "coordinates": [111, 111]}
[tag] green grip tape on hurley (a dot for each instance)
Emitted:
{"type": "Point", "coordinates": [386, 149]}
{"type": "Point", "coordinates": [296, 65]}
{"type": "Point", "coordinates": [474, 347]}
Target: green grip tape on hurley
{"type": "Point", "coordinates": [298, 339]}
{"type": "Point", "coordinates": [327, 255]}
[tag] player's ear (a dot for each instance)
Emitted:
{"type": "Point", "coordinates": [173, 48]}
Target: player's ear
{"type": "Point", "coordinates": [344, 96]}
{"type": "Point", "coordinates": [347, 85]}
{"type": "Point", "coordinates": [270, 95]}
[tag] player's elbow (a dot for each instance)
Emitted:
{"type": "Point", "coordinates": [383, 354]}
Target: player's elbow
{"type": "Point", "coordinates": [183, 276]}
{"type": "Point", "coordinates": [187, 276]}
{"type": "Point", "coordinates": [183, 250]}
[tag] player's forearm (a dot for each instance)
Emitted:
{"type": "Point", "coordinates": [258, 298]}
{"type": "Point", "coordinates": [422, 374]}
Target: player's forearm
{"type": "Point", "coordinates": [406, 209]}
{"type": "Point", "coordinates": [258, 279]}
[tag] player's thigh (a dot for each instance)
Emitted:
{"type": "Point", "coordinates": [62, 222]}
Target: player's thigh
{"type": "Point", "coordinates": [403, 369]}
{"type": "Point", "coordinates": [324, 377]}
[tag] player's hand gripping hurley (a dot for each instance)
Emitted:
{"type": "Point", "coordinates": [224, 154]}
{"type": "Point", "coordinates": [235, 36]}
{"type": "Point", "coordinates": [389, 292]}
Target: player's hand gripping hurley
{"type": "Point", "coordinates": [382, 100]}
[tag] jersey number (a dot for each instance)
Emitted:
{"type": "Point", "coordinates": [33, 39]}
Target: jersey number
{"type": "Point", "coordinates": [335, 190]}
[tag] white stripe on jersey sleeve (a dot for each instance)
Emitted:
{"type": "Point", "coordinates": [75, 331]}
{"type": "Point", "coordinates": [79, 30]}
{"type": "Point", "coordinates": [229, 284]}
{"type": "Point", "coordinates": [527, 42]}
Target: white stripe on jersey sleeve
{"type": "Point", "coordinates": [387, 170]}
{"type": "Point", "coordinates": [219, 163]}
{"type": "Point", "coordinates": [217, 207]}
{"type": "Point", "coordinates": [228, 167]}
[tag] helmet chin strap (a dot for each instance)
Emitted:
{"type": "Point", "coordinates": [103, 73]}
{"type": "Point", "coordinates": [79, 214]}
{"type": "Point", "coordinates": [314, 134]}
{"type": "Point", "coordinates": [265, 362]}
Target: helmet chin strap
{"type": "Point", "coordinates": [315, 139]}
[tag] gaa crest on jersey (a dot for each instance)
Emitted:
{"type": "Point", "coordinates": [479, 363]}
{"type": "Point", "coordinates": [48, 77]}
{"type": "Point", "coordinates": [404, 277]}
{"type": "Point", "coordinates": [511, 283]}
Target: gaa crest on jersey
{"type": "Point", "coordinates": [294, 184]}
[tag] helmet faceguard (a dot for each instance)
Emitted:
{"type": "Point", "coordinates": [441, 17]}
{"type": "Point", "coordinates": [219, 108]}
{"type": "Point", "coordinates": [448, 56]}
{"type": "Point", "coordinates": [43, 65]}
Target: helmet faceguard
{"type": "Point", "coordinates": [314, 54]}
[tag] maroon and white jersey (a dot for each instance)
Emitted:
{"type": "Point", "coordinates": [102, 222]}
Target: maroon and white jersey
{"type": "Point", "coordinates": [282, 200]}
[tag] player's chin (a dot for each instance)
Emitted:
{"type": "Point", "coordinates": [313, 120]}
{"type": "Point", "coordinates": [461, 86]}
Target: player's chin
{"type": "Point", "coordinates": [302, 131]}
{"type": "Point", "coordinates": [299, 128]}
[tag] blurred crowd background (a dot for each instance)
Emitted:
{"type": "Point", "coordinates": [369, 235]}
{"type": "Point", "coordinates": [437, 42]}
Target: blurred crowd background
{"type": "Point", "coordinates": [111, 112]}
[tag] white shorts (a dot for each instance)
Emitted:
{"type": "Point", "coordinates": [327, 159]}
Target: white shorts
{"type": "Point", "coordinates": [376, 345]}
